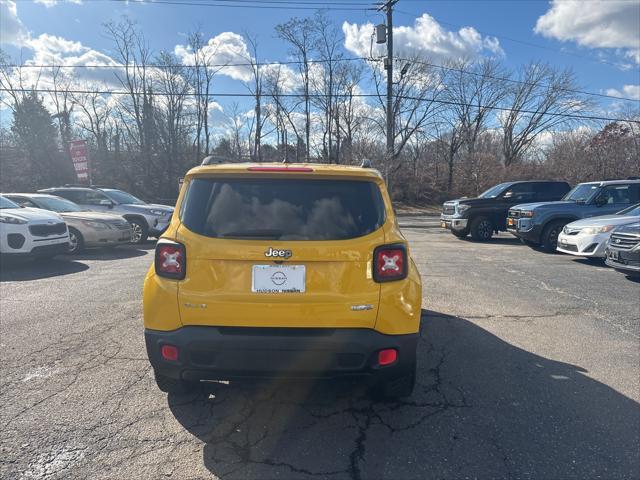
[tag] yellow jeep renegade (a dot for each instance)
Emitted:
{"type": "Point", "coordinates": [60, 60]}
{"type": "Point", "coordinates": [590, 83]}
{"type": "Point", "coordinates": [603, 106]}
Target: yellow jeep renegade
{"type": "Point", "coordinates": [283, 270]}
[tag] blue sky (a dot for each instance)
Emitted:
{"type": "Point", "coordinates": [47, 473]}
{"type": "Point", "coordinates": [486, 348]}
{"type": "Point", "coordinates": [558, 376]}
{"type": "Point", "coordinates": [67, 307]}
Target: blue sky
{"type": "Point", "coordinates": [600, 41]}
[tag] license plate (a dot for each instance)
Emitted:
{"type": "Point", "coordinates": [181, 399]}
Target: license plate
{"type": "Point", "coordinates": [278, 279]}
{"type": "Point", "coordinates": [614, 255]}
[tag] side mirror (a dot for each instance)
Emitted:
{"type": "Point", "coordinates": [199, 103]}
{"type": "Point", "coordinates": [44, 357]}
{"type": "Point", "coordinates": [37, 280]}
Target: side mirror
{"type": "Point", "coordinates": [600, 200]}
{"type": "Point", "coordinates": [106, 203]}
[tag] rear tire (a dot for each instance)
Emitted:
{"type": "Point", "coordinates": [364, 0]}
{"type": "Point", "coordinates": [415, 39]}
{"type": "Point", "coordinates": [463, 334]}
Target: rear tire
{"type": "Point", "coordinates": [481, 229]}
{"type": "Point", "coordinates": [461, 233]}
{"type": "Point", "coordinates": [173, 385]}
{"type": "Point", "coordinates": [550, 236]}
{"type": "Point", "coordinates": [398, 387]}
{"type": "Point", "coordinates": [76, 242]}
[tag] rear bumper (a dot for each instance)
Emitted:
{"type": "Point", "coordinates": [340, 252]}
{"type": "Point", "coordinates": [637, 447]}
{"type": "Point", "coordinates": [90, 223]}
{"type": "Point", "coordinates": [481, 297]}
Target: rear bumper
{"type": "Point", "coordinates": [221, 353]}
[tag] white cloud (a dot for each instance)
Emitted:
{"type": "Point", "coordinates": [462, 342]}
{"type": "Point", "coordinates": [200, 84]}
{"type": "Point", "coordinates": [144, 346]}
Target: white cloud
{"type": "Point", "coordinates": [426, 37]}
{"type": "Point", "coordinates": [598, 24]}
{"type": "Point", "coordinates": [227, 48]}
{"type": "Point", "coordinates": [12, 31]}
{"type": "Point", "coordinates": [53, 50]}
{"type": "Point", "coordinates": [628, 91]}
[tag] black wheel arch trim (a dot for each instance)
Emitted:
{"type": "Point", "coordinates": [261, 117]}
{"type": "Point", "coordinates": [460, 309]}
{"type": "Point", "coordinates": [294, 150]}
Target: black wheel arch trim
{"type": "Point", "coordinates": [133, 216]}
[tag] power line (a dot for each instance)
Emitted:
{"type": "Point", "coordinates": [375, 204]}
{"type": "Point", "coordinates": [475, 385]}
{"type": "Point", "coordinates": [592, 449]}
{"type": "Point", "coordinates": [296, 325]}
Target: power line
{"type": "Point", "coordinates": [261, 4]}
{"type": "Point", "coordinates": [341, 95]}
{"type": "Point", "coordinates": [178, 65]}
{"type": "Point", "coordinates": [320, 61]}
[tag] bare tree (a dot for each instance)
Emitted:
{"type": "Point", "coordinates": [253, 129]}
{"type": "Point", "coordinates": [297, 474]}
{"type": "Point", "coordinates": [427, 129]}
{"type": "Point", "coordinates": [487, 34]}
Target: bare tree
{"type": "Point", "coordinates": [543, 99]}
{"type": "Point", "coordinates": [174, 84]}
{"type": "Point", "coordinates": [299, 34]}
{"type": "Point", "coordinates": [416, 104]}
{"type": "Point", "coordinates": [473, 90]}
{"type": "Point", "coordinates": [204, 71]}
{"type": "Point", "coordinates": [284, 110]}
{"type": "Point", "coordinates": [255, 86]}
{"type": "Point", "coordinates": [349, 117]}
{"type": "Point", "coordinates": [327, 42]}
{"type": "Point", "coordinates": [63, 103]}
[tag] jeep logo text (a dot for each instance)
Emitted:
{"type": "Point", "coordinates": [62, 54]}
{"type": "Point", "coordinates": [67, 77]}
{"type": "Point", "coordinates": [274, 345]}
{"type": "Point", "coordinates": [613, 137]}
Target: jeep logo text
{"type": "Point", "coordinates": [273, 253]}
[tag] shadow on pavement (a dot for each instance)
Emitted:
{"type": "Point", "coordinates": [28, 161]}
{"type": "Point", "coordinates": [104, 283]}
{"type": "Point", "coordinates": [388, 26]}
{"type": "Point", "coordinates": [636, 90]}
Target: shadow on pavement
{"type": "Point", "coordinates": [25, 270]}
{"type": "Point", "coordinates": [116, 253]}
{"type": "Point", "coordinates": [482, 408]}
{"type": "Point", "coordinates": [592, 262]}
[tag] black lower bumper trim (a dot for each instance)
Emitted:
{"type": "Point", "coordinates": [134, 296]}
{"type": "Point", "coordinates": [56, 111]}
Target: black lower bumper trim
{"type": "Point", "coordinates": [41, 251]}
{"type": "Point", "coordinates": [221, 353]}
{"type": "Point", "coordinates": [532, 235]}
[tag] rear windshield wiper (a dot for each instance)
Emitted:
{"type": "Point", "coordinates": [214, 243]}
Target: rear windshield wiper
{"type": "Point", "coordinates": [264, 233]}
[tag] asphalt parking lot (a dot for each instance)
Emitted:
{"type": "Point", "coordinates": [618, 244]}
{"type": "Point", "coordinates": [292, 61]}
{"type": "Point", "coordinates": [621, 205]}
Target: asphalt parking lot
{"type": "Point", "coordinates": [529, 367]}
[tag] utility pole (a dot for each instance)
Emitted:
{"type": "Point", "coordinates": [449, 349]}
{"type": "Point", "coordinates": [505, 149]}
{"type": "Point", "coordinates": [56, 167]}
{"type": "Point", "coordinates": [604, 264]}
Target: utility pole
{"type": "Point", "coordinates": [388, 65]}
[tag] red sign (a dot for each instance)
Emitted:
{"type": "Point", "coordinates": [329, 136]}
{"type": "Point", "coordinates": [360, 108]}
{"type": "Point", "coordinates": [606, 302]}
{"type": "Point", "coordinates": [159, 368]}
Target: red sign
{"type": "Point", "coordinates": [78, 149]}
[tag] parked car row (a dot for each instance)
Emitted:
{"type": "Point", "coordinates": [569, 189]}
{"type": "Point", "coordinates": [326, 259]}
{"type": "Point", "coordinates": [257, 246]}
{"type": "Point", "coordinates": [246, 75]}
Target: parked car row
{"type": "Point", "coordinates": [49, 222]}
{"type": "Point", "coordinates": [595, 220]}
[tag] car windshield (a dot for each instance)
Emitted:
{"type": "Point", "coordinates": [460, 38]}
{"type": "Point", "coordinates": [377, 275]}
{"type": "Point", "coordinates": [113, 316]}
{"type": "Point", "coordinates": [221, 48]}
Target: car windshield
{"type": "Point", "coordinates": [493, 192]}
{"type": "Point", "coordinates": [59, 205]}
{"type": "Point", "coordinates": [582, 193]}
{"type": "Point", "coordinates": [119, 196]}
{"type": "Point", "coordinates": [280, 209]}
{"type": "Point", "coordinates": [631, 211]}
{"type": "Point", "coordinates": [6, 203]}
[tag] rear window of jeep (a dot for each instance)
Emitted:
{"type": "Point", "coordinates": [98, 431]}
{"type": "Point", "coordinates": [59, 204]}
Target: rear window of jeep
{"type": "Point", "coordinates": [283, 209]}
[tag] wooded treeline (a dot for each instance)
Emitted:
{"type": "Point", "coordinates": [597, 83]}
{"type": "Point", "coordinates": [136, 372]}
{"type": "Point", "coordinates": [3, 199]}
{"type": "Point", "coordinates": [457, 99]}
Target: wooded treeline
{"type": "Point", "coordinates": [459, 127]}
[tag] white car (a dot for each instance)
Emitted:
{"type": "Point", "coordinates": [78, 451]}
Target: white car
{"type": "Point", "coordinates": [588, 237]}
{"type": "Point", "coordinates": [31, 231]}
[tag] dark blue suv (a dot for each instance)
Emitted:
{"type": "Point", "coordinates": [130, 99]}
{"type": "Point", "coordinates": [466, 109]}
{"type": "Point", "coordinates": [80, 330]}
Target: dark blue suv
{"type": "Point", "coordinates": [539, 224]}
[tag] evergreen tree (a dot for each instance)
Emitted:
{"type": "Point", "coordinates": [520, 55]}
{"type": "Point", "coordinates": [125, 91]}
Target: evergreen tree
{"type": "Point", "coordinates": [36, 134]}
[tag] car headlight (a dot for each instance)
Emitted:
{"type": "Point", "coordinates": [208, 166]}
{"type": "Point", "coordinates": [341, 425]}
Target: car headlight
{"type": "Point", "coordinates": [159, 213]}
{"type": "Point", "coordinates": [12, 220]}
{"type": "Point", "coordinates": [636, 248]}
{"type": "Point", "coordinates": [96, 225]}
{"type": "Point", "coordinates": [526, 213]}
{"type": "Point", "coordinates": [463, 208]}
{"type": "Point", "coordinates": [596, 230]}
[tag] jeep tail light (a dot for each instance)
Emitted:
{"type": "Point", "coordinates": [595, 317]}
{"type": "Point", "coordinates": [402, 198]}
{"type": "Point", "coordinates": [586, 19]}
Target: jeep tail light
{"type": "Point", "coordinates": [170, 260]}
{"type": "Point", "coordinates": [390, 263]}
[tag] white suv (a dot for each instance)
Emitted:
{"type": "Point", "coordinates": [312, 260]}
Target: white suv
{"type": "Point", "coordinates": [31, 231]}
